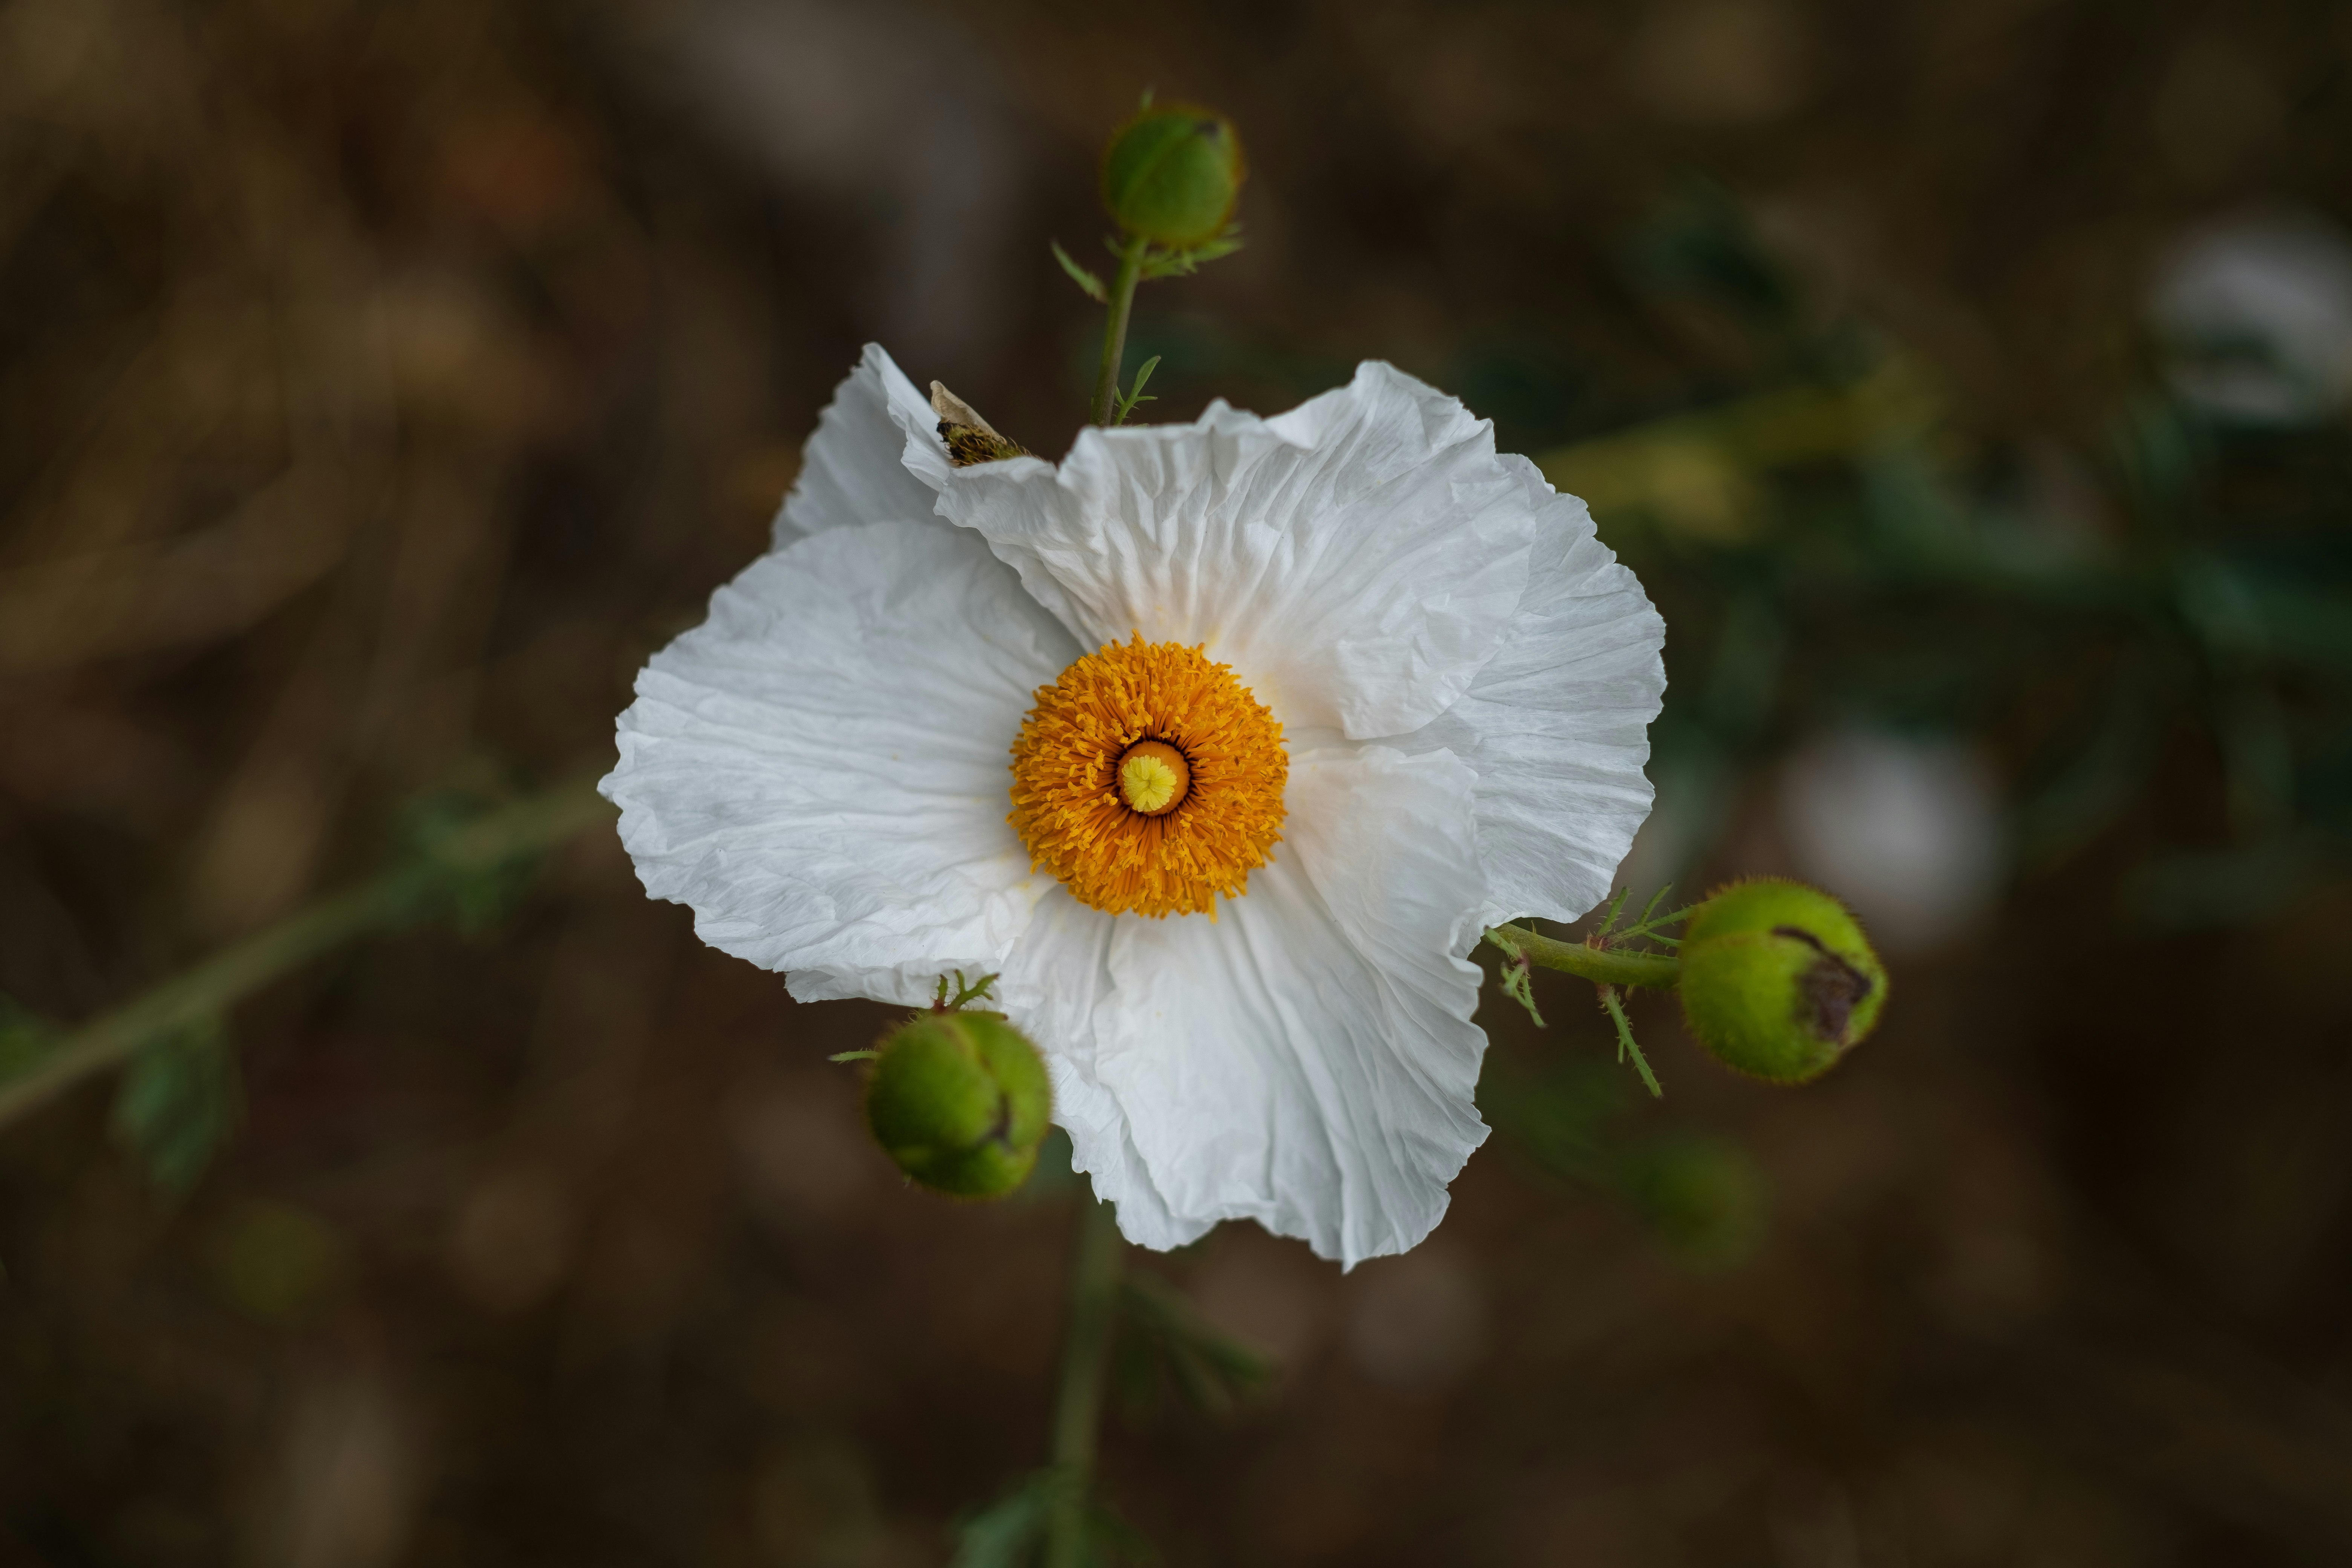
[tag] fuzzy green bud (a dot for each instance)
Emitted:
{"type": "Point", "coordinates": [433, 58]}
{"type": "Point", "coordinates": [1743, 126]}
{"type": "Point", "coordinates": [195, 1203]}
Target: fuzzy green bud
{"type": "Point", "coordinates": [1777, 980]}
{"type": "Point", "coordinates": [960, 1101]}
{"type": "Point", "coordinates": [1172, 174]}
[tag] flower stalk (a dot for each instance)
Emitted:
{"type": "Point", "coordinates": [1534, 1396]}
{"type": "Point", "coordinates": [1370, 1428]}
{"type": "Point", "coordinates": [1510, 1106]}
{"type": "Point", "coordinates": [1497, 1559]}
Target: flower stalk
{"type": "Point", "coordinates": [1601, 965]}
{"type": "Point", "coordinates": [1097, 1253]}
{"type": "Point", "coordinates": [1122, 304]}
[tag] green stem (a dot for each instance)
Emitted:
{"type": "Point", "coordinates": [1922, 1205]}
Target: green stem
{"type": "Point", "coordinates": [1603, 967]}
{"type": "Point", "coordinates": [218, 982]}
{"type": "Point", "coordinates": [1122, 302]}
{"type": "Point", "coordinates": [1626, 1044]}
{"type": "Point", "coordinates": [1096, 1250]}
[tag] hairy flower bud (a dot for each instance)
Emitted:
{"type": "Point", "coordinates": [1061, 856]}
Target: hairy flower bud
{"type": "Point", "coordinates": [960, 1101]}
{"type": "Point", "coordinates": [1777, 980]}
{"type": "Point", "coordinates": [1172, 174]}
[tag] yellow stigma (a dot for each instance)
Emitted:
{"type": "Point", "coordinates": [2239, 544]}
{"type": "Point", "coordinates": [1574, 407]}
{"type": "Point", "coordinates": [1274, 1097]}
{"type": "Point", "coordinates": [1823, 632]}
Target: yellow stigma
{"type": "Point", "coordinates": [1153, 777]}
{"type": "Point", "coordinates": [1149, 779]}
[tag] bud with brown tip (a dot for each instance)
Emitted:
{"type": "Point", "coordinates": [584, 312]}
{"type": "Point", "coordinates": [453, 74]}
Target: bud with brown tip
{"type": "Point", "coordinates": [1777, 980]}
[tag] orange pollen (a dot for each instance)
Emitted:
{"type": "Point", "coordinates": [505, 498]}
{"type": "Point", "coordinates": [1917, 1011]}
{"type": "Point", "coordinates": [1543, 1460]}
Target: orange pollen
{"type": "Point", "coordinates": [1149, 779]}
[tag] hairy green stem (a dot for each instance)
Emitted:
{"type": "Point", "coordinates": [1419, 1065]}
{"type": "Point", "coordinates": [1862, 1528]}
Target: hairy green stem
{"type": "Point", "coordinates": [218, 982]}
{"type": "Point", "coordinates": [1122, 303]}
{"type": "Point", "coordinates": [1626, 1044]}
{"type": "Point", "coordinates": [1603, 967]}
{"type": "Point", "coordinates": [1095, 1251]}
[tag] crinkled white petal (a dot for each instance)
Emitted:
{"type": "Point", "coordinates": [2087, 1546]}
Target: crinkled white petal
{"type": "Point", "coordinates": [819, 772]}
{"type": "Point", "coordinates": [1306, 1060]}
{"type": "Point", "coordinates": [1557, 725]}
{"type": "Point", "coordinates": [1356, 560]}
{"type": "Point", "coordinates": [819, 769]}
{"type": "Point", "coordinates": [876, 456]}
{"type": "Point", "coordinates": [1052, 986]}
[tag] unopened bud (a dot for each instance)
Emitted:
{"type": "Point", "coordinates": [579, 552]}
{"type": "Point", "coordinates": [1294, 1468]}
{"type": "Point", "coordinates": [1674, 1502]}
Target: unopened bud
{"type": "Point", "coordinates": [960, 1101]}
{"type": "Point", "coordinates": [1777, 980]}
{"type": "Point", "coordinates": [1172, 174]}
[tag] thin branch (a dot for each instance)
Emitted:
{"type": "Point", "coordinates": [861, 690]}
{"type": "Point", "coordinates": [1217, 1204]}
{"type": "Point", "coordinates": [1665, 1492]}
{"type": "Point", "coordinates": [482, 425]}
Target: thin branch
{"type": "Point", "coordinates": [218, 983]}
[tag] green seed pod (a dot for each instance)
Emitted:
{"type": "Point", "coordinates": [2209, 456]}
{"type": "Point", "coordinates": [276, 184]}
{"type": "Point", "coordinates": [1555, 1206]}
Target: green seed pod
{"type": "Point", "coordinates": [1777, 980]}
{"type": "Point", "coordinates": [960, 1101]}
{"type": "Point", "coordinates": [1172, 174]}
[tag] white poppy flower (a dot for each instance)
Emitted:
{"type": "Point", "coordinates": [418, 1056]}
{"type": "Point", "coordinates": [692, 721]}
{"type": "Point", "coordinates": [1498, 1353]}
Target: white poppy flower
{"type": "Point", "coordinates": [1295, 708]}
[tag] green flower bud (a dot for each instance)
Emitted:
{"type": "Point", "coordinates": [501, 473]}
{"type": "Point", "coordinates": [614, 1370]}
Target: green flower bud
{"type": "Point", "coordinates": [1172, 174]}
{"type": "Point", "coordinates": [960, 1101]}
{"type": "Point", "coordinates": [1777, 980]}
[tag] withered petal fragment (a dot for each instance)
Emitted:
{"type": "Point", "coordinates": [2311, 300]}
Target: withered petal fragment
{"type": "Point", "coordinates": [970, 439]}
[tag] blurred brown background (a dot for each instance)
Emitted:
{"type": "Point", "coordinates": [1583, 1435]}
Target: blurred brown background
{"type": "Point", "coordinates": [383, 382]}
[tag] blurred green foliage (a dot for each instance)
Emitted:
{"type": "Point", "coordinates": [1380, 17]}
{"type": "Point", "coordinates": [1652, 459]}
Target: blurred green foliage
{"type": "Point", "coordinates": [1164, 1346]}
{"type": "Point", "coordinates": [1843, 546]}
{"type": "Point", "coordinates": [180, 1100]}
{"type": "Point", "coordinates": [1010, 1533]}
{"type": "Point", "coordinates": [1701, 1200]}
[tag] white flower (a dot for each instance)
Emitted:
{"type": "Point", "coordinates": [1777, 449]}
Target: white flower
{"type": "Point", "coordinates": [1403, 692]}
{"type": "Point", "coordinates": [2255, 310]}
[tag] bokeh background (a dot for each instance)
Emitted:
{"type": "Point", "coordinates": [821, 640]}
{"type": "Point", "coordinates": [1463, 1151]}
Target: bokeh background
{"type": "Point", "coordinates": [1967, 379]}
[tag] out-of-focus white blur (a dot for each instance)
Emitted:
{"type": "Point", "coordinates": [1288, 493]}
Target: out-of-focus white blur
{"type": "Point", "coordinates": [2255, 314]}
{"type": "Point", "coordinates": [1906, 831]}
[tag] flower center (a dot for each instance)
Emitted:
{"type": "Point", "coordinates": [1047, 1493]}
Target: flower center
{"type": "Point", "coordinates": [1149, 779]}
{"type": "Point", "coordinates": [1153, 777]}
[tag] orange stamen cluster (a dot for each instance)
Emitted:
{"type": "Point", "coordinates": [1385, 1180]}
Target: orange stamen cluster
{"type": "Point", "coordinates": [1071, 807]}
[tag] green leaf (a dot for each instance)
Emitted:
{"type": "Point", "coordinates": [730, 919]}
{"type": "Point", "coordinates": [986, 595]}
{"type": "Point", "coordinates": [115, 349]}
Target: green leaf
{"type": "Point", "coordinates": [1142, 374]}
{"type": "Point", "coordinates": [1086, 280]}
{"type": "Point", "coordinates": [473, 897]}
{"type": "Point", "coordinates": [1168, 1345]}
{"type": "Point", "coordinates": [1616, 907]}
{"type": "Point", "coordinates": [1009, 1533]}
{"type": "Point", "coordinates": [1192, 259]}
{"type": "Point", "coordinates": [1626, 1045]}
{"type": "Point", "coordinates": [977, 991]}
{"type": "Point", "coordinates": [1518, 984]}
{"type": "Point", "coordinates": [180, 1100]}
{"type": "Point", "coordinates": [1518, 975]}
{"type": "Point", "coordinates": [1004, 1534]}
{"type": "Point", "coordinates": [1646, 928]}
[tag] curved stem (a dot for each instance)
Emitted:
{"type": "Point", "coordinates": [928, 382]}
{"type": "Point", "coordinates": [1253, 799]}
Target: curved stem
{"type": "Point", "coordinates": [1122, 302]}
{"type": "Point", "coordinates": [218, 982]}
{"type": "Point", "coordinates": [1096, 1250]}
{"type": "Point", "coordinates": [1603, 967]}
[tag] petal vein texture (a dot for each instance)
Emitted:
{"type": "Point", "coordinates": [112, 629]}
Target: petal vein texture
{"type": "Point", "coordinates": [1357, 560]}
{"type": "Point", "coordinates": [819, 769]}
